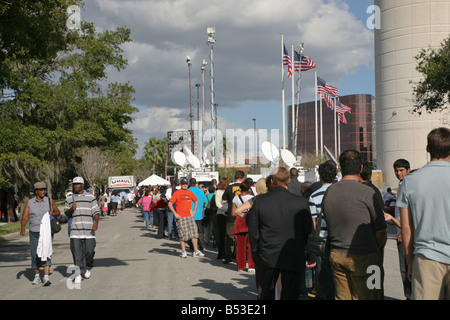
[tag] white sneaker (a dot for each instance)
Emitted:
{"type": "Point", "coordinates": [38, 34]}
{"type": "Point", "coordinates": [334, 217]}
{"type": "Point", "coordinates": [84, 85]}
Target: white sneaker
{"type": "Point", "coordinates": [198, 254]}
{"type": "Point", "coordinates": [37, 280]}
{"type": "Point", "coordinates": [46, 281]}
{"type": "Point", "coordinates": [78, 279]}
{"type": "Point", "coordinates": [87, 274]}
{"type": "Point", "coordinates": [184, 254]}
{"type": "Point", "coordinates": [251, 270]}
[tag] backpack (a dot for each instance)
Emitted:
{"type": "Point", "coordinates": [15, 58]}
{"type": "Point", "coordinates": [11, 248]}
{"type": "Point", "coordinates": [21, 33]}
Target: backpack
{"type": "Point", "coordinates": [211, 207]}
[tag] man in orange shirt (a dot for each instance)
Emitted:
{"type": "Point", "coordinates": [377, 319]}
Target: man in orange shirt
{"type": "Point", "coordinates": [186, 225]}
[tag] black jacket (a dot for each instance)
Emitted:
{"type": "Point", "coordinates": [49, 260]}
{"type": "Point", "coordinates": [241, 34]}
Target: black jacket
{"type": "Point", "coordinates": [295, 186]}
{"type": "Point", "coordinates": [279, 223]}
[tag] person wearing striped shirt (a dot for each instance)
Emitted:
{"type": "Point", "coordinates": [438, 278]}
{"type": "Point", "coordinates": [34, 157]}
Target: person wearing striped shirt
{"type": "Point", "coordinates": [83, 209]}
{"type": "Point", "coordinates": [327, 174]}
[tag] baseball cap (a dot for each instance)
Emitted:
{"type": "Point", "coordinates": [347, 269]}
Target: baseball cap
{"type": "Point", "coordinates": [183, 181]}
{"type": "Point", "coordinates": [40, 185]}
{"type": "Point", "coordinates": [78, 180]}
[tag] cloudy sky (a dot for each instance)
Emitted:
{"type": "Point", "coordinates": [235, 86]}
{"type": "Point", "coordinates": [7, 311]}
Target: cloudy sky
{"type": "Point", "coordinates": [247, 56]}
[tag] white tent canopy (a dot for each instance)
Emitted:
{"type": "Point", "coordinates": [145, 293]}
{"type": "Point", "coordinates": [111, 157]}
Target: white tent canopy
{"type": "Point", "coordinates": [154, 180]}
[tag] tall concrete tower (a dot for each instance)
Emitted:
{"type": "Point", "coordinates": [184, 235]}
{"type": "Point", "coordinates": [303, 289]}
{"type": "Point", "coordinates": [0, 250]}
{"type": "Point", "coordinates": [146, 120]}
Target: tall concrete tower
{"type": "Point", "coordinates": [406, 27]}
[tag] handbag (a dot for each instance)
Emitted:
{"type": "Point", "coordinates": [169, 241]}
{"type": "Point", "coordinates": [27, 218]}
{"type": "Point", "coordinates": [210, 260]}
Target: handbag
{"type": "Point", "coordinates": [318, 245]}
{"type": "Point", "coordinates": [54, 223]}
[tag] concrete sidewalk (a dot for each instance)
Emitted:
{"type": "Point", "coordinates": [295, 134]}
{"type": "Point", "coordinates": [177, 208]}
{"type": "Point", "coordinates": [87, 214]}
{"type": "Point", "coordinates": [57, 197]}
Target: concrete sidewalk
{"type": "Point", "coordinates": [130, 263]}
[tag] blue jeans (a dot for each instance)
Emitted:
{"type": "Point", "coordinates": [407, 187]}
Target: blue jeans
{"type": "Point", "coordinates": [146, 217]}
{"type": "Point", "coordinates": [83, 251]}
{"type": "Point", "coordinates": [150, 214]}
{"type": "Point", "coordinates": [404, 270]}
{"type": "Point", "coordinates": [36, 262]}
{"type": "Point", "coordinates": [170, 224]}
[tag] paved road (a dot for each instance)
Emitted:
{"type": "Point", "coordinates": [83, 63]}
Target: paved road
{"type": "Point", "coordinates": [130, 263]}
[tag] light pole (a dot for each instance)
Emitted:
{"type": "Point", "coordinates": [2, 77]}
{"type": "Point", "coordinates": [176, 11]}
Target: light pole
{"type": "Point", "coordinates": [204, 63]}
{"type": "Point", "coordinates": [211, 40]}
{"type": "Point", "coordinates": [216, 105]}
{"type": "Point", "coordinates": [188, 61]}
{"type": "Point", "coordinates": [197, 85]}
{"type": "Point", "coordinates": [255, 143]}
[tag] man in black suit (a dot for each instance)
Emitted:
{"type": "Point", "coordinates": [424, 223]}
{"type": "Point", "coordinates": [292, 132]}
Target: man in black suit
{"type": "Point", "coordinates": [278, 225]}
{"type": "Point", "coordinates": [295, 186]}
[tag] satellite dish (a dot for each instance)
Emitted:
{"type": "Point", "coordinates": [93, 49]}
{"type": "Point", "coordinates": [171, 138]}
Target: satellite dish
{"type": "Point", "coordinates": [270, 151]}
{"type": "Point", "coordinates": [194, 161]}
{"type": "Point", "coordinates": [179, 158]}
{"type": "Point", "coordinates": [191, 158]}
{"type": "Point", "coordinates": [187, 151]}
{"type": "Point", "coordinates": [288, 158]}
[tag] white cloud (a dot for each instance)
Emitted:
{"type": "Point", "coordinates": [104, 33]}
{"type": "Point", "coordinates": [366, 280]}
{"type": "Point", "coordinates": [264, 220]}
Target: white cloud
{"type": "Point", "coordinates": [247, 52]}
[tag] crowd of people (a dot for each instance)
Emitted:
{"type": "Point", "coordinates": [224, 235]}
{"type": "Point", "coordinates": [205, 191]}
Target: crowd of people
{"type": "Point", "coordinates": [264, 225]}
{"type": "Point", "coordinates": [9, 205]}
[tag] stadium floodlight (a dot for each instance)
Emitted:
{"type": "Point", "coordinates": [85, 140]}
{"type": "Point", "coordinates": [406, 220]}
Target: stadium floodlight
{"type": "Point", "coordinates": [211, 32]}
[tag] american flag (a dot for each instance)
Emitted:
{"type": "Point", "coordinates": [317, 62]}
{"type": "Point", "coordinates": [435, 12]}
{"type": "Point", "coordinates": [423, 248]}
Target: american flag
{"type": "Point", "coordinates": [341, 109]}
{"type": "Point", "coordinates": [287, 61]}
{"type": "Point", "coordinates": [323, 87]}
{"type": "Point", "coordinates": [328, 100]}
{"type": "Point", "coordinates": [305, 64]}
{"type": "Point", "coordinates": [296, 61]}
{"type": "Point", "coordinates": [342, 118]}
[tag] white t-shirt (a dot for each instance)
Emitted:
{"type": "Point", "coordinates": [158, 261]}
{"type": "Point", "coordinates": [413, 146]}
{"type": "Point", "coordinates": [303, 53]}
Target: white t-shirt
{"type": "Point", "coordinates": [245, 198]}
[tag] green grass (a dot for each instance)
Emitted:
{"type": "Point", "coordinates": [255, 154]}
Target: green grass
{"type": "Point", "coordinates": [10, 228]}
{"type": "Point", "coordinates": [16, 226]}
{"type": "Point", "coordinates": [60, 202]}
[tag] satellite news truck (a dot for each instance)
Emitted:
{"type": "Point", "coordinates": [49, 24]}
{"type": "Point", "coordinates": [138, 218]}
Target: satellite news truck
{"type": "Point", "coordinates": [204, 178]}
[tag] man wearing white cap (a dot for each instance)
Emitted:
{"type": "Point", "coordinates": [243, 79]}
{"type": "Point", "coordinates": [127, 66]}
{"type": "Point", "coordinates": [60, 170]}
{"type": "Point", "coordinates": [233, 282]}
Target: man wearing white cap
{"type": "Point", "coordinates": [82, 207]}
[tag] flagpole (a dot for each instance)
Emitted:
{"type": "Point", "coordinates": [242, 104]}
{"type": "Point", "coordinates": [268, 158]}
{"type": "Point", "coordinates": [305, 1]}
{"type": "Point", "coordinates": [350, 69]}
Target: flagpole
{"type": "Point", "coordinates": [298, 98]}
{"type": "Point", "coordinates": [321, 130]}
{"type": "Point", "coordinates": [339, 137]}
{"type": "Point", "coordinates": [296, 114]}
{"type": "Point", "coordinates": [315, 107]}
{"type": "Point", "coordinates": [282, 94]}
{"type": "Point", "coordinates": [292, 96]}
{"type": "Point", "coordinates": [335, 133]}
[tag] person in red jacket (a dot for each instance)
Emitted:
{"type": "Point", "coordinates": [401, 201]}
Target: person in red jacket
{"type": "Point", "coordinates": [160, 207]}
